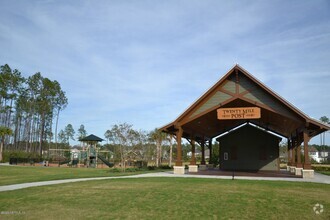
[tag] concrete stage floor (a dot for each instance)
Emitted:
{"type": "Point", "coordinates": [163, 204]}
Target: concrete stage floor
{"type": "Point", "coordinates": [260, 173]}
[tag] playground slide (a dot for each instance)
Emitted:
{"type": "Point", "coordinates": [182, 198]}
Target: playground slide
{"type": "Point", "coordinates": [64, 162]}
{"type": "Point", "coordinates": [105, 161]}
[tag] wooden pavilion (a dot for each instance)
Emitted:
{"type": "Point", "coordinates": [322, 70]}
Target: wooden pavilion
{"type": "Point", "coordinates": [239, 98]}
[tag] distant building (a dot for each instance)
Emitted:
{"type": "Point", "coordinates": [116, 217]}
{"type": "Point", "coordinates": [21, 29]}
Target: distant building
{"type": "Point", "coordinates": [199, 153]}
{"type": "Point", "coordinates": [318, 156]}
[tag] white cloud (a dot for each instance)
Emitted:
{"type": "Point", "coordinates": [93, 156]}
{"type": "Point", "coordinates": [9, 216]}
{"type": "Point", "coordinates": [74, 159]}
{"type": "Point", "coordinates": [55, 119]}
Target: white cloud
{"type": "Point", "coordinates": [146, 61]}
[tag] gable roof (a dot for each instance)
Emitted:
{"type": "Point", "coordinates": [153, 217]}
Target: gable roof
{"type": "Point", "coordinates": [238, 88]}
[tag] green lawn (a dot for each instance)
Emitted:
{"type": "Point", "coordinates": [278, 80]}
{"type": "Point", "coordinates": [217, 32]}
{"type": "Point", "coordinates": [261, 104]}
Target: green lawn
{"type": "Point", "coordinates": [168, 198]}
{"type": "Point", "coordinates": [325, 172]}
{"type": "Point", "coordinates": [20, 174]}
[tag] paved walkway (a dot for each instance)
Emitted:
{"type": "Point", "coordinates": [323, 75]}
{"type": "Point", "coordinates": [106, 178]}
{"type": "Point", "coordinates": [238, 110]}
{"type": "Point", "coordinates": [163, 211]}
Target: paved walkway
{"type": "Point", "coordinates": [318, 178]}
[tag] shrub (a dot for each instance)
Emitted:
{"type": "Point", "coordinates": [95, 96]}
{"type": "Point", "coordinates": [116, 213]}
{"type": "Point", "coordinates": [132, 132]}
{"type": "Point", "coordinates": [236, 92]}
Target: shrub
{"type": "Point", "coordinates": [151, 167]}
{"type": "Point", "coordinates": [119, 170]}
{"type": "Point", "coordinates": [165, 167]}
{"type": "Point", "coordinates": [321, 168]}
{"type": "Point", "coordinates": [131, 169]}
{"type": "Point", "coordinates": [115, 170]}
{"type": "Point", "coordinates": [21, 157]}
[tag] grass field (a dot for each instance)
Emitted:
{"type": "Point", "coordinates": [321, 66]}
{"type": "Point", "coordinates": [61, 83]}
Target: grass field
{"type": "Point", "coordinates": [23, 174]}
{"type": "Point", "coordinates": [20, 174]}
{"type": "Point", "coordinates": [168, 198]}
{"type": "Point", "coordinates": [325, 172]}
{"type": "Point", "coordinates": [322, 168]}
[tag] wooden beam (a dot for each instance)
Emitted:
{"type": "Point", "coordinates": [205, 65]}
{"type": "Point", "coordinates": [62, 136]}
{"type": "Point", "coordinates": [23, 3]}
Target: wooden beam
{"type": "Point", "coordinates": [203, 151]}
{"type": "Point", "coordinates": [258, 104]}
{"type": "Point", "coordinates": [210, 149]}
{"type": "Point", "coordinates": [230, 128]}
{"type": "Point", "coordinates": [299, 164]}
{"type": "Point", "coordinates": [289, 152]}
{"type": "Point", "coordinates": [307, 162]}
{"type": "Point", "coordinates": [267, 127]}
{"type": "Point", "coordinates": [214, 108]}
{"type": "Point", "coordinates": [193, 158]}
{"type": "Point", "coordinates": [237, 82]}
{"type": "Point", "coordinates": [227, 92]}
{"type": "Point", "coordinates": [293, 159]}
{"type": "Point", "coordinates": [179, 148]}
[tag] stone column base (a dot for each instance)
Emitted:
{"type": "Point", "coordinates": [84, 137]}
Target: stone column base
{"type": "Point", "coordinates": [298, 171]}
{"type": "Point", "coordinates": [178, 169]}
{"type": "Point", "coordinates": [210, 166]}
{"type": "Point", "coordinates": [288, 168]}
{"type": "Point", "coordinates": [193, 168]}
{"type": "Point", "coordinates": [292, 169]}
{"type": "Point", "coordinates": [202, 167]}
{"type": "Point", "coordinates": [308, 174]}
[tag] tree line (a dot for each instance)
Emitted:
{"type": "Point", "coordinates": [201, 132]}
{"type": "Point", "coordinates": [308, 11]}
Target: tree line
{"type": "Point", "coordinates": [29, 109]}
{"type": "Point", "coordinates": [325, 120]}
{"type": "Point", "coordinates": [29, 112]}
{"type": "Point", "coordinates": [128, 144]}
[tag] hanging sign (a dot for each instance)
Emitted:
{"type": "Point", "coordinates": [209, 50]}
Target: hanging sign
{"type": "Point", "coordinates": [239, 113]}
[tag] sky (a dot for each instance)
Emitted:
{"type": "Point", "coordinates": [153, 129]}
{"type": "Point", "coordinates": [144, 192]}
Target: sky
{"type": "Point", "coordinates": [144, 62]}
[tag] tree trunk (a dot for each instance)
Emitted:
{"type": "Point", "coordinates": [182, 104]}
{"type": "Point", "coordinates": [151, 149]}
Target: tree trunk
{"type": "Point", "coordinates": [160, 154]}
{"type": "Point", "coordinates": [122, 158]}
{"type": "Point", "coordinates": [158, 146]}
{"type": "Point", "coordinates": [1, 150]}
{"type": "Point", "coordinates": [27, 133]}
{"type": "Point", "coordinates": [9, 114]}
{"type": "Point", "coordinates": [42, 131]}
{"type": "Point", "coordinates": [57, 116]}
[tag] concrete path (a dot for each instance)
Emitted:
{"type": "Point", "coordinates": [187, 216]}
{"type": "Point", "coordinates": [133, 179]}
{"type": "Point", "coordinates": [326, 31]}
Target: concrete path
{"type": "Point", "coordinates": [318, 178]}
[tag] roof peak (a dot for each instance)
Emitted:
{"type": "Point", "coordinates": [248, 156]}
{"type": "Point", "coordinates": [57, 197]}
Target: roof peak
{"type": "Point", "coordinates": [240, 91]}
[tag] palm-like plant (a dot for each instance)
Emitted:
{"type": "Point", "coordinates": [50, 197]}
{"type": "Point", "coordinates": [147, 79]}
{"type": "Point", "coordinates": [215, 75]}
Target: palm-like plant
{"type": "Point", "coordinates": [325, 120]}
{"type": "Point", "coordinates": [159, 137]}
{"type": "Point", "coordinates": [4, 131]}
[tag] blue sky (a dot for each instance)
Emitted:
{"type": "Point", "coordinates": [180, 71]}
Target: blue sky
{"type": "Point", "coordinates": [144, 62]}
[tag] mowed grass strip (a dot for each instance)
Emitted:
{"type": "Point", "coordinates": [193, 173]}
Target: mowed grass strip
{"type": "Point", "coordinates": [21, 174]}
{"type": "Point", "coordinates": [325, 172]}
{"type": "Point", "coordinates": [169, 198]}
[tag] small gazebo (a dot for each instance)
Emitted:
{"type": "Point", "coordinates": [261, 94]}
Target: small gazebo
{"type": "Point", "coordinates": [91, 149]}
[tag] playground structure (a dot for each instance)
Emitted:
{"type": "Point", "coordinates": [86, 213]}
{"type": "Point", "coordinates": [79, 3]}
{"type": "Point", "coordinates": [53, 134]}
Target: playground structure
{"type": "Point", "coordinates": [88, 157]}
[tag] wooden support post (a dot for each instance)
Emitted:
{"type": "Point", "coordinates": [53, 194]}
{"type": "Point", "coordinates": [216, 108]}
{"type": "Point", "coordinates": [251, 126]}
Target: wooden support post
{"type": "Point", "coordinates": [203, 151]}
{"type": "Point", "coordinates": [220, 157]}
{"type": "Point", "coordinates": [88, 156]}
{"type": "Point", "coordinates": [179, 148]}
{"type": "Point", "coordinates": [299, 164]}
{"type": "Point", "coordinates": [307, 162]}
{"type": "Point", "coordinates": [210, 148]}
{"type": "Point", "coordinates": [96, 153]}
{"type": "Point", "coordinates": [171, 151]}
{"type": "Point", "coordinates": [193, 158]}
{"type": "Point", "coordinates": [289, 152]}
{"type": "Point", "coordinates": [293, 159]}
